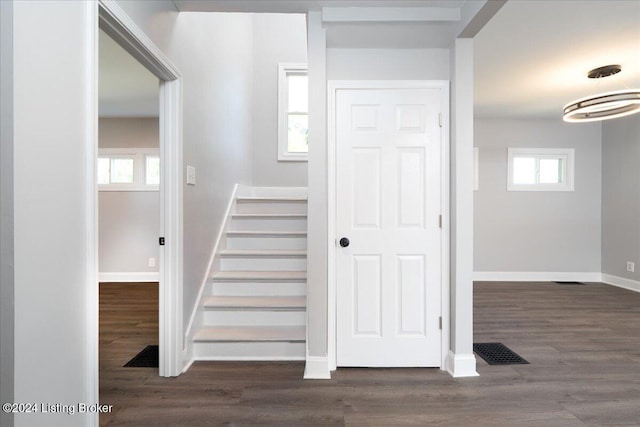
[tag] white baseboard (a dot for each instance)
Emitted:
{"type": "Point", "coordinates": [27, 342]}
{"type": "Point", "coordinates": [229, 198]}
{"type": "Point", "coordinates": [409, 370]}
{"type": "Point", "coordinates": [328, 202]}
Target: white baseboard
{"type": "Point", "coordinates": [317, 368]}
{"type": "Point", "coordinates": [621, 282]}
{"type": "Point", "coordinates": [536, 276]}
{"type": "Point", "coordinates": [460, 365]}
{"type": "Point", "coordinates": [248, 358]}
{"type": "Point", "coordinates": [151, 276]}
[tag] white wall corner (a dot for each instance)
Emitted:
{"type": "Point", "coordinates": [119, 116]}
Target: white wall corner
{"type": "Point", "coordinates": [461, 365]}
{"type": "Point", "coordinates": [317, 368]}
{"type": "Point", "coordinates": [621, 282]}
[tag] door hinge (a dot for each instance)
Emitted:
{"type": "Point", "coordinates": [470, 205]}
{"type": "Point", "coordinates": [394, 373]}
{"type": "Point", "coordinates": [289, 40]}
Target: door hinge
{"type": "Point", "coordinates": [440, 119]}
{"type": "Point", "coordinates": [440, 322]}
{"type": "Point", "coordinates": [440, 221]}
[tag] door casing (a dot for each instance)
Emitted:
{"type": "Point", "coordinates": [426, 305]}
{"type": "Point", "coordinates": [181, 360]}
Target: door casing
{"type": "Point", "coordinates": [333, 87]}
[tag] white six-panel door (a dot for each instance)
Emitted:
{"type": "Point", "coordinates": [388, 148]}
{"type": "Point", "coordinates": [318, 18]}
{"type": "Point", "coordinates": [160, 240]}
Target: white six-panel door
{"type": "Point", "coordinates": [388, 204]}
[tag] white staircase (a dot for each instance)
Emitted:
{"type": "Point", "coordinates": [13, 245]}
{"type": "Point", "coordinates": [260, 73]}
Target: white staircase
{"type": "Point", "coordinates": [254, 306]}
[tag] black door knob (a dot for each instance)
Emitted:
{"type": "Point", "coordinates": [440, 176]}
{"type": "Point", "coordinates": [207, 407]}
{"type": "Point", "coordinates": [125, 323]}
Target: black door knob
{"type": "Point", "coordinates": [344, 242]}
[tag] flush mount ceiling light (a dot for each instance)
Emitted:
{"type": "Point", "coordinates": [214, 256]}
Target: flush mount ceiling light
{"type": "Point", "coordinates": [603, 106]}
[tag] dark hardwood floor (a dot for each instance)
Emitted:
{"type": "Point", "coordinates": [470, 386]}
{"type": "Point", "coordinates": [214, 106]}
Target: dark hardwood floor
{"type": "Point", "coordinates": [583, 343]}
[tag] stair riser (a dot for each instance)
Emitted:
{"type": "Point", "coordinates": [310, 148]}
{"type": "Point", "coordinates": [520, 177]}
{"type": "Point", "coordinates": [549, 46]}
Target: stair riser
{"type": "Point", "coordinates": [249, 350]}
{"type": "Point", "coordinates": [261, 207]}
{"type": "Point", "coordinates": [266, 242]}
{"type": "Point", "coordinates": [254, 318]}
{"type": "Point", "coordinates": [256, 289]}
{"type": "Point", "coordinates": [263, 264]}
{"type": "Point", "coordinates": [268, 224]}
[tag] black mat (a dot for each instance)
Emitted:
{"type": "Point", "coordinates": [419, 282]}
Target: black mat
{"type": "Point", "coordinates": [495, 353]}
{"type": "Point", "coordinates": [569, 283]}
{"type": "Point", "coordinates": [147, 358]}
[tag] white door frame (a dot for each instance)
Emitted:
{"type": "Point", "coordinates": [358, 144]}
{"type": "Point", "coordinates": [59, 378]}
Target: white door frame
{"type": "Point", "coordinates": [333, 87]}
{"type": "Point", "coordinates": [109, 16]}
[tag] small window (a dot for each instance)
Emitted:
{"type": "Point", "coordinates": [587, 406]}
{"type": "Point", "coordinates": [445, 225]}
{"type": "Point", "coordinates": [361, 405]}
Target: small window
{"type": "Point", "coordinates": [128, 169]}
{"type": "Point", "coordinates": [540, 169]}
{"type": "Point", "coordinates": [152, 170]}
{"type": "Point", "coordinates": [293, 112]}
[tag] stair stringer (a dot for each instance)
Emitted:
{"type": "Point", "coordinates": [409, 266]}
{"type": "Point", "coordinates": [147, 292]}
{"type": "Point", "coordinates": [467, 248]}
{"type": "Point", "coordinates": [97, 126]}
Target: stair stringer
{"type": "Point", "coordinates": [196, 321]}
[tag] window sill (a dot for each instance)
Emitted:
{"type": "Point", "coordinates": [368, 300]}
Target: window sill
{"type": "Point", "coordinates": [125, 188]}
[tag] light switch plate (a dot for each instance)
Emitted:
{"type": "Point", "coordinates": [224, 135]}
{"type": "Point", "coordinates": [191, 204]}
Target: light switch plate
{"type": "Point", "coordinates": [191, 175]}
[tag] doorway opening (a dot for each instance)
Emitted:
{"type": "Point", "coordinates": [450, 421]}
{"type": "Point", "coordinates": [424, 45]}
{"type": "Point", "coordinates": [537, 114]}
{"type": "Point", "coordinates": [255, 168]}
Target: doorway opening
{"type": "Point", "coordinates": [128, 177]}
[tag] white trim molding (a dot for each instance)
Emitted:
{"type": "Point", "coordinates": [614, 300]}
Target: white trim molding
{"type": "Point", "coordinates": [197, 314]}
{"type": "Point", "coordinates": [461, 365]}
{"type": "Point", "coordinates": [317, 368]}
{"type": "Point", "coordinates": [621, 282]}
{"type": "Point", "coordinates": [114, 21]}
{"type": "Point", "coordinates": [536, 276]}
{"type": "Point", "coordinates": [132, 277]}
{"type": "Point", "coordinates": [284, 71]}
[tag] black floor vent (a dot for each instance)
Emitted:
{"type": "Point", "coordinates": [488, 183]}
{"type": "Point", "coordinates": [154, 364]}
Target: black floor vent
{"type": "Point", "coordinates": [495, 353]}
{"type": "Point", "coordinates": [147, 358]}
{"type": "Point", "coordinates": [569, 283]}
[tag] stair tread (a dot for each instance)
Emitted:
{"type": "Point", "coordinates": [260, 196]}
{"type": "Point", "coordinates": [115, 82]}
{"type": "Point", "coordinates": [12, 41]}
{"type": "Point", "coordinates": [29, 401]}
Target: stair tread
{"type": "Point", "coordinates": [271, 198]}
{"type": "Point", "coordinates": [251, 333]}
{"type": "Point", "coordinates": [256, 302]}
{"type": "Point", "coordinates": [263, 253]}
{"type": "Point", "coordinates": [268, 215]}
{"type": "Point", "coordinates": [267, 233]}
{"type": "Point", "coordinates": [256, 275]}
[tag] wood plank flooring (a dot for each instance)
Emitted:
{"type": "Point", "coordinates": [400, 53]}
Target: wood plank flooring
{"type": "Point", "coordinates": [583, 343]}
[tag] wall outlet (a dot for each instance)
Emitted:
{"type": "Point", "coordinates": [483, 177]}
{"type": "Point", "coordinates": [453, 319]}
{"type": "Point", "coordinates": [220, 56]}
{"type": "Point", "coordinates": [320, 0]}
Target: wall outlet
{"type": "Point", "coordinates": [631, 266]}
{"type": "Point", "coordinates": [152, 262]}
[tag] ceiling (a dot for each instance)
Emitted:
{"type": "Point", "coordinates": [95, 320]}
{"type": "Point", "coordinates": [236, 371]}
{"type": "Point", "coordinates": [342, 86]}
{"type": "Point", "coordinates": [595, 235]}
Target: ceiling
{"type": "Point", "coordinates": [126, 88]}
{"type": "Point", "coordinates": [301, 6]}
{"type": "Point", "coordinates": [530, 59]}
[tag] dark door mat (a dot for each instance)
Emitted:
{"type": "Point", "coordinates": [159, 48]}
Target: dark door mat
{"type": "Point", "coordinates": [147, 358]}
{"type": "Point", "coordinates": [569, 283]}
{"type": "Point", "coordinates": [495, 353]}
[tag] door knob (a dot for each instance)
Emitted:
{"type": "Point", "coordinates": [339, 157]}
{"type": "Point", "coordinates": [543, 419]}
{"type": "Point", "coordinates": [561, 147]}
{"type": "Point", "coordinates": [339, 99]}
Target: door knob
{"type": "Point", "coordinates": [344, 242]}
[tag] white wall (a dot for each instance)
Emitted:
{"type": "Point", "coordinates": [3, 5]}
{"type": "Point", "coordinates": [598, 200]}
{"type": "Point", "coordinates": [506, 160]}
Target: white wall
{"type": "Point", "coordinates": [51, 66]}
{"type": "Point", "coordinates": [214, 54]}
{"type": "Point", "coordinates": [621, 196]}
{"type": "Point", "coordinates": [129, 221]}
{"type": "Point", "coordinates": [525, 231]}
{"type": "Point", "coordinates": [277, 38]}
{"type": "Point", "coordinates": [387, 64]}
{"type": "Point", "coordinates": [6, 210]}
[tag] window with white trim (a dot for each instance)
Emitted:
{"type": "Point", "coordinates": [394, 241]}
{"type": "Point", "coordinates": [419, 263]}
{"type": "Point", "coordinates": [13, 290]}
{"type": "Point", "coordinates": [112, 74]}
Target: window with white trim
{"type": "Point", "coordinates": [128, 169]}
{"type": "Point", "coordinates": [293, 112]}
{"type": "Point", "coordinates": [540, 169]}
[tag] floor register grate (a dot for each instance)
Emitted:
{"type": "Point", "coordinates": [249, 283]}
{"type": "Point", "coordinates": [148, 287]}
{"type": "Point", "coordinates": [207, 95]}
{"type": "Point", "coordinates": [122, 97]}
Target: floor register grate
{"type": "Point", "coordinates": [495, 353]}
{"type": "Point", "coordinates": [147, 358]}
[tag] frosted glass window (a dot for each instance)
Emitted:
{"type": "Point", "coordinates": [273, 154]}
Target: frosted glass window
{"type": "Point", "coordinates": [104, 174]}
{"type": "Point", "coordinates": [550, 171]}
{"type": "Point", "coordinates": [128, 169]}
{"type": "Point", "coordinates": [152, 170]}
{"type": "Point", "coordinates": [298, 138]}
{"type": "Point", "coordinates": [540, 169]}
{"type": "Point", "coordinates": [298, 93]}
{"type": "Point", "coordinates": [121, 171]}
{"type": "Point", "coordinates": [293, 112]}
{"type": "Point", "coordinates": [524, 170]}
